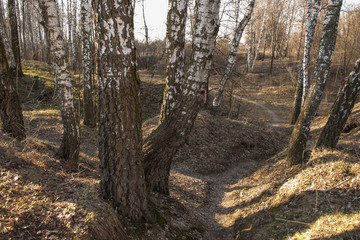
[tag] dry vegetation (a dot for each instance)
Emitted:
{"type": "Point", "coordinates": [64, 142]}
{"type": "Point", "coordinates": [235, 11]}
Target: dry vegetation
{"type": "Point", "coordinates": [40, 198]}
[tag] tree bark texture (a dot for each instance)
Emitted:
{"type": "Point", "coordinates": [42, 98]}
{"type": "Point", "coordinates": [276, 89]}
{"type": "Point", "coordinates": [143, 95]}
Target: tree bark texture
{"type": "Point", "coordinates": [233, 52]}
{"type": "Point", "coordinates": [162, 144]}
{"type": "Point", "coordinates": [309, 37]}
{"type": "Point", "coordinates": [175, 53]}
{"type": "Point", "coordinates": [260, 38]}
{"type": "Point", "coordinates": [6, 41]}
{"type": "Point", "coordinates": [341, 110]}
{"type": "Point", "coordinates": [298, 97]}
{"type": "Point", "coordinates": [10, 107]}
{"type": "Point", "coordinates": [326, 49]}
{"type": "Point", "coordinates": [89, 108]}
{"type": "Point", "coordinates": [69, 149]}
{"type": "Point", "coordinates": [14, 36]}
{"type": "Point", "coordinates": [120, 144]}
{"type": "Point", "coordinates": [248, 61]}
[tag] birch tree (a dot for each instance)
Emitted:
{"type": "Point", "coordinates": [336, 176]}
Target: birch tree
{"type": "Point", "coordinates": [70, 143]}
{"type": "Point", "coordinates": [14, 36]}
{"type": "Point", "coordinates": [120, 144]}
{"type": "Point", "coordinates": [163, 142]}
{"type": "Point", "coordinates": [233, 51]}
{"type": "Point", "coordinates": [89, 109]}
{"type": "Point", "coordinates": [341, 110]}
{"type": "Point", "coordinates": [260, 37]}
{"type": "Point", "coordinates": [250, 44]}
{"type": "Point", "coordinates": [10, 108]}
{"type": "Point", "coordinates": [302, 87]}
{"type": "Point", "coordinates": [6, 40]}
{"type": "Point", "coordinates": [175, 53]}
{"type": "Point", "coordinates": [301, 130]}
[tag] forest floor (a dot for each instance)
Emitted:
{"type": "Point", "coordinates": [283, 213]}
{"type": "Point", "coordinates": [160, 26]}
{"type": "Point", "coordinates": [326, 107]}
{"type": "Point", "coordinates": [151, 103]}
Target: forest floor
{"type": "Point", "coordinates": [229, 181]}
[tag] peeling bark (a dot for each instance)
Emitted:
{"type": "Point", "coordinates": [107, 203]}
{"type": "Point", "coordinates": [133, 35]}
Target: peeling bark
{"type": "Point", "coordinates": [301, 130]}
{"type": "Point", "coordinates": [175, 53]}
{"type": "Point", "coordinates": [70, 144]}
{"type": "Point", "coordinates": [120, 144]}
{"type": "Point", "coordinates": [341, 110]}
{"type": "Point", "coordinates": [162, 144]}
{"type": "Point", "coordinates": [89, 108]}
{"type": "Point", "coordinates": [233, 51]}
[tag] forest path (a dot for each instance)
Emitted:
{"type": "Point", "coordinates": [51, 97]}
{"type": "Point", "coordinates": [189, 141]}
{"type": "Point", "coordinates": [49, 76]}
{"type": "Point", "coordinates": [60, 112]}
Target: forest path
{"type": "Point", "coordinates": [220, 203]}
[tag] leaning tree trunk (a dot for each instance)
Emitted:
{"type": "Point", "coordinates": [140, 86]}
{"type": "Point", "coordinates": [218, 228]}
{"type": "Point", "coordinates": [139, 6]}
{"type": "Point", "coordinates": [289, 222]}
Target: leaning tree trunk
{"type": "Point", "coordinates": [301, 130]}
{"type": "Point", "coordinates": [162, 144]}
{"type": "Point", "coordinates": [14, 37]}
{"type": "Point", "coordinates": [120, 144]}
{"type": "Point", "coordinates": [304, 71]}
{"type": "Point", "coordinates": [310, 31]}
{"type": "Point", "coordinates": [89, 109]}
{"type": "Point", "coordinates": [260, 38]}
{"type": "Point", "coordinates": [233, 51]}
{"type": "Point", "coordinates": [341, 110]}
{"type": "Point", "coordinates": [175, 53]}
{"type": "Point", "coordinates": [10, 108]}
{"type": "Point", "coordinates": [248, 59]}
{"type": "Point", "coordinates": [69, 149]}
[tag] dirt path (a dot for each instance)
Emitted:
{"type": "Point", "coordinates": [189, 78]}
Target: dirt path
{"type": "Point", "coordinates": [217, 208]}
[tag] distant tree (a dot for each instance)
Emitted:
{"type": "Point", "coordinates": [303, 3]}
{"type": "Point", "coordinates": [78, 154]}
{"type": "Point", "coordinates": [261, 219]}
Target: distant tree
{"type": "Point", "coordinates": [89, 109]}
{"type": "Point", "coordinates": [70, 144]}
{"type": "Point", "coordinates": [175, 53]}
{"type": "Point", "coordinates": [341, 110]}
{"type": "Point", "coordinates": [162, 144]}
{"type": "Point", "coordinates": [260, 37]}
{"type": "Point", "coordinates": [301, 130]}
{"type": "Point", "coordinates": [233, 52]}
{"type": "Point", "coordinates": [14, 36]}
{"type": "Point", "coordinates": [120, 142]}
{"type": "Point", "coordinates": [10, 108]}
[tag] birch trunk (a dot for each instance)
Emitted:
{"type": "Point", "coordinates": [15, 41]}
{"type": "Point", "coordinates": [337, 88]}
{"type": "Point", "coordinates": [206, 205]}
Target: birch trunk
{"type": "Point", "coordinates": [341, 110]}
{"type": "Point", "coordinates": [120, 144]}
{"type": "Point", "coordinates": [73, 38]}
{"type": "Point", "coordinates": [89, 109]}
{"type": "Point", "coordinates": [233, 51]}
{"type": "Point", "coordinates": [248, 61]}
{"type": "Point", "coordinates": [162, 144]}
{"type": "Point", "coordinates": [260, 38]}
{"type": "Point", "coordinates": [10, 107]}
{"type": "Point", "coordinates": [310, 31]}
{"type": "Point", "coordinates": [70, 144]}
{"type": "Point", "coordinates": [6, 41]}
{"type": "Point", "coordinates": [175, 53]}
{"type": "Point", "coordinates": [301, 130]}
{"type": "Point", "coordinates": [14, 37]}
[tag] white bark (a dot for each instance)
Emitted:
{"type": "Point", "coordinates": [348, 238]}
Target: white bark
{"type": "Point", "coordinates": [71, 137]}
{"type": "Point", "coordinates": [6, 41]}
{"type": "Point", "coordinates": [233, 51]}
{"type": "Point", "coordinates": [310, 31]}
{"type": "Point", "coordinates": [250, 44]}
{"type": "Point", "coordinates": [260, 37]}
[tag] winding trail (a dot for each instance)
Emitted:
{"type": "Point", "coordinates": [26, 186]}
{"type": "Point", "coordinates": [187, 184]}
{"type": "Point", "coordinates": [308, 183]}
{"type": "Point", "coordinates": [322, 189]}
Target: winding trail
{"type": "Point", "coordinates": [216, 212]}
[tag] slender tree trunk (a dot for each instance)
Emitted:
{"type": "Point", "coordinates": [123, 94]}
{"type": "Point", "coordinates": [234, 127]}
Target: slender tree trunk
{"type": "Point", "coordinates": [301, 37]}
{"type": "Point", "coordinates": [248, 61]}
{"type": "Point", "coordinates": [289, 29]}
{"type": "Point", "coordinates": [147, 46]}
{"type": "Point", "coordinates": [120, 146]}
{"type": "Point", "coordinates": [6, 41]}
{"type": "Point", "coordinates": [301, 130]}
{"type": "Point", "coordinates": [74, 42]}
{"type": "Point", "coordinates": [264, 50]}
{"type": "Point", "coordinates": [310, 31]}
{"type": "Point", "coordinates": [14, 36]}
{"type": "Point", "coordinates": [69, 149]}
{"type": "Point", "coordinates": [175, 52]}
{"type": "Point", "coordinates": [89, 109]}
{"type": "Point", "coordinates": [260, 37]}
{"type": "Point", "coordinates": [10, 107]}
{"type": "Point", "coordinates": [162, 144]}
{"type": "Point", "coordinates": [233, 52]}
{"type": "Point", "coordinates": [341, 110]}
{"type": "Point", "coordinates": [298, 97]}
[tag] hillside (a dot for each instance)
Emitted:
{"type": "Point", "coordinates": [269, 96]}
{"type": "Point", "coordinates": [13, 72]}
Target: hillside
{"type": "Point", "coordinates": [229, 181]}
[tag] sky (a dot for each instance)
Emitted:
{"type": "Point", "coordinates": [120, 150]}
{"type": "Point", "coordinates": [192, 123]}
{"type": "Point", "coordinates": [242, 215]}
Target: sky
{"type": "Point", "coordinates": [155, 15]}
